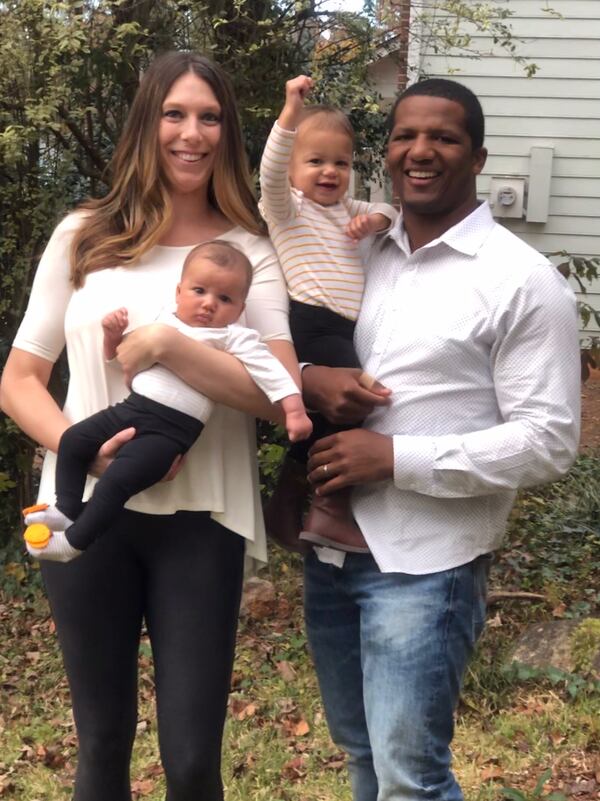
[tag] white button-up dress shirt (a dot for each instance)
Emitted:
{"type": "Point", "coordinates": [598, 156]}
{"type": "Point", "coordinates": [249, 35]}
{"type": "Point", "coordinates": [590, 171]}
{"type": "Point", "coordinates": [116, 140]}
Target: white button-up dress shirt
{"type": "Point", "coordinates": [476, 335]}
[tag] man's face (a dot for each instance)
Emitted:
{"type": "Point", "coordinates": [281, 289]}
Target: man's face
{"type": "Point", "coordinates": [431, 159]}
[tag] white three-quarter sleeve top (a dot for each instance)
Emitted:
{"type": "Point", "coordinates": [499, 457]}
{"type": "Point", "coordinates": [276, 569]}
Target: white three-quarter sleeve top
{"type": "Point", "coordinates": [220, 474]}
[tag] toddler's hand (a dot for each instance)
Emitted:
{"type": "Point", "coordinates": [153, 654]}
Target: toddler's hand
{"type": "Point", "coordinates": [296, 92]}
{"type": "Point", "coordinates": [364, 225]}
{"type": "Point", "coordinates": [297, 89]}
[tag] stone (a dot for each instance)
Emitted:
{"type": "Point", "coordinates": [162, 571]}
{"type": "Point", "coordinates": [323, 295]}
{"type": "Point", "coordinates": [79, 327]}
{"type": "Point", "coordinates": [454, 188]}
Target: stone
{"type": "Point", "coordinates": [258, 598]}
{"type": "Point", "coordinates": [548, 644]}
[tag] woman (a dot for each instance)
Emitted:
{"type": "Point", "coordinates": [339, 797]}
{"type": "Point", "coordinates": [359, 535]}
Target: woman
{"type": "Point", "coordinates": [175, 558]}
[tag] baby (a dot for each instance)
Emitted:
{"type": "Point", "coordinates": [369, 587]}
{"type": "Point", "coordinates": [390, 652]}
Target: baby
{"type": "Point", "coordinates": [315, 228]}
{"type": "Point", "coordinates": [167, 414]}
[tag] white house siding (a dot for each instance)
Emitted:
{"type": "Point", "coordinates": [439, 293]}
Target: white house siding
{"type": "Point", "coordinates": [558, 108]}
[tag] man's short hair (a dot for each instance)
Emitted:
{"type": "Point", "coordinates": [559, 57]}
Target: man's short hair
{"type": "Point", "coordinates": [450, 90]}
{"type": "Point", "coordinates": [223, 254]}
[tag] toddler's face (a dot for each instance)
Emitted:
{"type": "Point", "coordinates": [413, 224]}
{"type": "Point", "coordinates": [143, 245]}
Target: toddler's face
{"type": "Point", "coordinates": [321, 163]}
{"type": "Point", "coordinates": [210, 296]}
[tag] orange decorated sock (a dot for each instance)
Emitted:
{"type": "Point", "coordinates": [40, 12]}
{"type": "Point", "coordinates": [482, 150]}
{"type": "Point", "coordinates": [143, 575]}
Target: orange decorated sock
{"type": "Point", "coordinates": [51, 545]}
{"type": "Point", "coordinates": [48, 516]}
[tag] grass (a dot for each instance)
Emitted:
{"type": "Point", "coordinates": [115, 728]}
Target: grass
{"type": "Point", "coordinates": [511, 726]}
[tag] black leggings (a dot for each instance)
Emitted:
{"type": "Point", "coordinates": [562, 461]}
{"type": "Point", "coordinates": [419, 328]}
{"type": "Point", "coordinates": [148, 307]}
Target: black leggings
{"type": "Point", "coordinates": [161, 435]}
{"type": "Point", "coordinates": [321, 337]}
{"type": "Point", "coordinates": [181, 573]}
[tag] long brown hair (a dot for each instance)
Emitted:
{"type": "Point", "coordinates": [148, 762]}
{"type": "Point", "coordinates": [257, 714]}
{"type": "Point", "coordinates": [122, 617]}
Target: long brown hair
{"type": "Point", "coordinates": [118, 228]}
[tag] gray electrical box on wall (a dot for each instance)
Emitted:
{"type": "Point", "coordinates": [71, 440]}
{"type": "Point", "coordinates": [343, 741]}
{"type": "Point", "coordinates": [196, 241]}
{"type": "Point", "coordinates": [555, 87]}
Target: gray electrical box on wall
{"type": "Point", "coordinates": [507, 196]}
{"type": "Point", "coordinates": [540, 175]}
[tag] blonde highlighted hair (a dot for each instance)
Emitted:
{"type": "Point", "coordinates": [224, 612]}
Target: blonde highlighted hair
{"type": "Point", "coordinates": [119, 228]}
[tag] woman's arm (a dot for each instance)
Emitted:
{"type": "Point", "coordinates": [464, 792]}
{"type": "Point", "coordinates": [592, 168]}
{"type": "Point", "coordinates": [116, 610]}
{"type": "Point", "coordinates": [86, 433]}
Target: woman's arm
{"type": "Point", "coordinates": [214, 373]}
{"type": "Point", "coordinates": [25, 398]}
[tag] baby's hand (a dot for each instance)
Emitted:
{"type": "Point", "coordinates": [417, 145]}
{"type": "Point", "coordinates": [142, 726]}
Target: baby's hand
{"type": "Point", "coordinates": [113, 325]}
{"type": "Point", "coordinates": [296, 92]}
{"type": "Point", "coordinates": [365, 225]}
{"type": "Point", "coordinates": [298, 425]}
{"type": "Point", "coordinates": [115, 322]}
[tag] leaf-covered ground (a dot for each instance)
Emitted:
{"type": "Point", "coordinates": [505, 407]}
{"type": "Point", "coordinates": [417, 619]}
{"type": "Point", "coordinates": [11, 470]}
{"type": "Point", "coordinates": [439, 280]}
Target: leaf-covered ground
{"type": "Point", "coordinates": [277, 746]}
{"type": "Point", "coordinates": [512, 725]}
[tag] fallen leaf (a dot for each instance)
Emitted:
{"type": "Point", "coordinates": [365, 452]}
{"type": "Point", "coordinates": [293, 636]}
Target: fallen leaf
{"type": "Point", "coordinates": [142, 787]}
{"type": "Point", "coordinates": [286, 671]}
{"type": "Point", "coordinates": [495, 622]}
{"type": "Point", "coordinates": [241, 709]}
{"type": "Point", "coordinates": [493, 772]}
{"type": "Point", "coordinates": [301, 728]}
{"type": "Point", "coordinates": [295, 769]}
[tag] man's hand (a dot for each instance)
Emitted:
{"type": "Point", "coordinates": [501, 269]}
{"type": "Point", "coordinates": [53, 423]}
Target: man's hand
{"type": "Point", "coordinates": [142, 348]}
{"type": "Point", "coordinates": [336, 392]}
{"type": "Point", "coordinates": [350, 457]}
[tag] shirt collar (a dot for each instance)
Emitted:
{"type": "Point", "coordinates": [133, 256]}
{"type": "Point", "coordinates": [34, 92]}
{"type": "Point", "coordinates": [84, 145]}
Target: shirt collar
{"type": "Point", "coordinates": [467, 236]}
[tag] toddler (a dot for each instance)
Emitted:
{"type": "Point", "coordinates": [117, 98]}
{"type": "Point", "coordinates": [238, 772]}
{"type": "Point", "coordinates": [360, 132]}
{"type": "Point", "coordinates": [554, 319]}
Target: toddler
{"type": "Point", "coordinates": [315, 228]}
{"type": "Point", "coordinates": [167, 414]}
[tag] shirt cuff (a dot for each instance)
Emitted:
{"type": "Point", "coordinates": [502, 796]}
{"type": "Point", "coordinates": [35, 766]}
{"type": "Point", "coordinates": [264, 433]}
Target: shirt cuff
{"type": "Point", "coordinates": [413, 462]}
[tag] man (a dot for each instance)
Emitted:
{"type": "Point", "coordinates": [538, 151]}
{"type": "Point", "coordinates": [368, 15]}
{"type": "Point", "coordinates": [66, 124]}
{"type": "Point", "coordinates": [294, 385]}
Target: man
{"type": "Point", "coordinates": [475, 334]}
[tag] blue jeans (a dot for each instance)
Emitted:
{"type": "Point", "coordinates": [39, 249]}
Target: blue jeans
{"type": "Point", "coordinates": [390, 651]}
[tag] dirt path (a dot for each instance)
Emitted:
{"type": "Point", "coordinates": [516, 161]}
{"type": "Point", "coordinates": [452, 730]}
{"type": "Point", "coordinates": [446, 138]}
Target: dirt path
{"type": "Point", "coordinates": [590, 413]}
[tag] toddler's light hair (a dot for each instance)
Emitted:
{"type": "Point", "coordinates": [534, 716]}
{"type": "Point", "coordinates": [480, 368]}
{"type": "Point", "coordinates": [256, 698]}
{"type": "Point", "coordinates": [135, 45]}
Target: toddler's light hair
{"type": "Point", "coordinates": [327, 117]}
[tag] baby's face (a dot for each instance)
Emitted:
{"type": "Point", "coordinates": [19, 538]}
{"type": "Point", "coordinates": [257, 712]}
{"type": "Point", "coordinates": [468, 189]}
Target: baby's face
{"type": "Point", "coordinates": [210, 296]}
{"type": "Point", "coordinates": [321, 163]}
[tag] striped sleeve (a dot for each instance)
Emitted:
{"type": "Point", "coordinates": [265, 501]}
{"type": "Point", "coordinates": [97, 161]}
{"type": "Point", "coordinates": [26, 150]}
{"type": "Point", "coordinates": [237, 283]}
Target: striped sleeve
{"type": "Point", "coordinates": [356, 207]}
{"type": "Point", "coordinates": [277, 203]}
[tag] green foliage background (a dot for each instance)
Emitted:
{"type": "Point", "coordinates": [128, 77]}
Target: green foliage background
{"type": "Point", "coordinates": [68, 72]}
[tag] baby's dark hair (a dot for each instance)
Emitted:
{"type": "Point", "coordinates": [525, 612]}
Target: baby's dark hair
{"type": "Point", "coordinates": [449, 90]}
{"type": "Point", "coordinates": [223, 254]}
{"type": "Point", "coordinates": [328, 117]}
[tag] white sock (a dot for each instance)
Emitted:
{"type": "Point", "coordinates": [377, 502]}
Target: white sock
{"type": "Point", "coordinates": [57, 550]}
{"type": "Point", "coordinates": [51, 517]}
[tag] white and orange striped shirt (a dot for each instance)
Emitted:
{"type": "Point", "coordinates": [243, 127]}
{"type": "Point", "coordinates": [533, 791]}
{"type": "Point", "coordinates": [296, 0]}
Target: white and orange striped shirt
{"type": "Point", "coordinates": [321, 264]}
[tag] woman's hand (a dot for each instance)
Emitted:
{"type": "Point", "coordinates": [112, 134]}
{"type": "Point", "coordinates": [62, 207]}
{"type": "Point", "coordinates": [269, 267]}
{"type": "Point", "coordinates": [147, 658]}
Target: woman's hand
{"type": "Point", "coordinates": [142, 348]}
{"type": "Point", "coordinates": [109, 450]}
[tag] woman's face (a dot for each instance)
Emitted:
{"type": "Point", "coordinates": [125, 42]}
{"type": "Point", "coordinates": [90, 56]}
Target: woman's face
{"type": "Point", "coordinates": [189, 133]}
